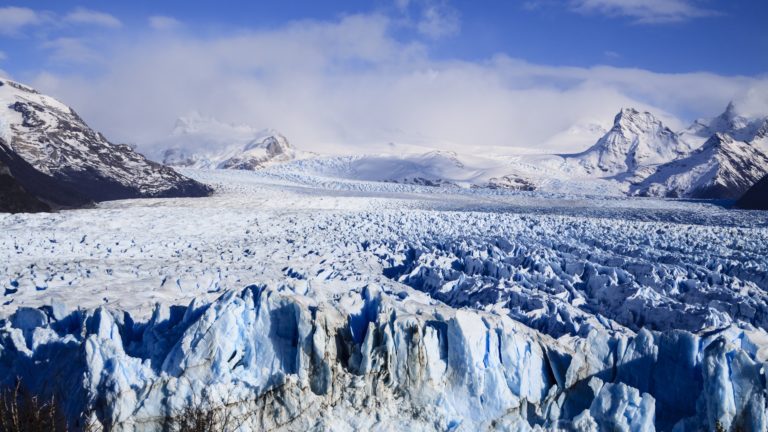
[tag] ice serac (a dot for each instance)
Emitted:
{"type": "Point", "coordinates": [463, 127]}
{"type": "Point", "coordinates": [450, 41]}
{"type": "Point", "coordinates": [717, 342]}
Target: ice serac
{"type": "Point", "coordinates": [636, 140]}
{"type": "Point", "coordinates": [368, 359]}
{"type": "Point", "coordinates": [756, 198]}
{"type": "Point", "coordinates": [55, 156]}
{"type": "Point", "coordinates": [722, 168]}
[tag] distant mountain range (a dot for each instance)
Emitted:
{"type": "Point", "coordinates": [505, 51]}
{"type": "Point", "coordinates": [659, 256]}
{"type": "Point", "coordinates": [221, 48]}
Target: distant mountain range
{"type": "Point", "coordinates": [718, 158]}
{"type": "Point", "coordinates": [50, 156]}
{"type": "Point", "coordinates": [721, 168]}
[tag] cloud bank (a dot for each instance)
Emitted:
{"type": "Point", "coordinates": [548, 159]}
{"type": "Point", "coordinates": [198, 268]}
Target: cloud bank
{"type": "Point", "coordinates": [349, 85]}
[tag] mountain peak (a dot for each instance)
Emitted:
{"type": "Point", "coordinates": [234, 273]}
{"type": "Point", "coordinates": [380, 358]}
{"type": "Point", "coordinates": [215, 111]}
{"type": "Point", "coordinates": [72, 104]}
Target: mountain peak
{"type": "Point", "coordinates": [201, 141]}
{"type": "Point", "coordinates": [636, 139]}
{"type": "Point", "coordinates": [625, 114]}
{"type": "Point", "coordinates": [636, 121]}
{"type": "Point", "coordinates": [729, 117]}
{"type": "Point", "coordinates": [261, 152]}
{"type": "Point", "coordinates": [738, 126]}
{"type": "Point", "coordinates": [628, 111]}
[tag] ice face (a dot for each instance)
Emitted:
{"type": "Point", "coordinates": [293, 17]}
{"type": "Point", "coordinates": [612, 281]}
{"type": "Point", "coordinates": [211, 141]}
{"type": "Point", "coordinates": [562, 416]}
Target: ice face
{"type": "Point", "coordinates": [473, 368]}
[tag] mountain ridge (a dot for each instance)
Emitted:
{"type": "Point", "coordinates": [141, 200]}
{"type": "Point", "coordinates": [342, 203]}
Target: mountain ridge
{"type": "Point", "coordinates": [723, 168]}
{"type": "Point", "coordinates": [55, 155]}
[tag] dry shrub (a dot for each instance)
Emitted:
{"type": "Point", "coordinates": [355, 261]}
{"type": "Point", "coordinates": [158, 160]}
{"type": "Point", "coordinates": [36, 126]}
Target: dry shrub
{"type": "Point", "coordinates": [21, 411]}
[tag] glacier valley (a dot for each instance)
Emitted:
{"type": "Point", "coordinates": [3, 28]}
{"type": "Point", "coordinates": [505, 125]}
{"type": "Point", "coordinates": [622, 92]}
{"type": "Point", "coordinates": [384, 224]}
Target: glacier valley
{"type": "Point", "coordinates": [301, 302]}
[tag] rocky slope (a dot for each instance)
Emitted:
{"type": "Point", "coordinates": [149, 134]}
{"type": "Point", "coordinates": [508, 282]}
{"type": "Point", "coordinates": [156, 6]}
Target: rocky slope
{"type": "Point", "coordinates": [260, 153]}
{"type": "Point", "coordinates": [55, 156]}
{"type": "Point", "coordinates": [756, 198]}
{"type": "Point", "coordinates": [13, 197]}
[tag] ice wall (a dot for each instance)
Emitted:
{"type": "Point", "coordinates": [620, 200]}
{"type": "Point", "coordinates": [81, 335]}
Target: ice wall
{"type": "Point", "coordinates": [371, 360]}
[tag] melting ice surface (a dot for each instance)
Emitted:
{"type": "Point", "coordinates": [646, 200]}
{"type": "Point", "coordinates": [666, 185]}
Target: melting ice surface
{"type": "Point", "coordinates": [308, 303]}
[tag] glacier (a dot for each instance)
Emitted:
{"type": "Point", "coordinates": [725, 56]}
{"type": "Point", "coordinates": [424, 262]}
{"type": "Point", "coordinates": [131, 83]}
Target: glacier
{"type": "Point", "coordinates": [303, 302]}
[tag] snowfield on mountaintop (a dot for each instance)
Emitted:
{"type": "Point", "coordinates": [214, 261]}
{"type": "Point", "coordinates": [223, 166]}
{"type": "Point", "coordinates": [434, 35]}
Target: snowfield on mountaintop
{"type": "Point", "coordinates": [458, 308]}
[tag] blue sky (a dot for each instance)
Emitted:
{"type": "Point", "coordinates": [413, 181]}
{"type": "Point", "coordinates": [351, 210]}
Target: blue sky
{"type": "Point", "coordinates": [445, 72]}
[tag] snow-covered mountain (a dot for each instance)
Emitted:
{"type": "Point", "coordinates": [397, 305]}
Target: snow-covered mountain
{"type": "Point", "coordinates": [55, 156]}
{"type": "Point", "coordinates": [740, 127]}
{"type": "Point", "coordinates": [721, 168]}
{"type": "Point", "coordinates": [730, 154]}
{"type": "Point", "coordinates": [636, 140]}
{"type": "Point", "coordinates": [204, 142]}
{"type": "Point", "coordinates": [637, 155]}
{"type": "Point", "coordinates": [717, 158]}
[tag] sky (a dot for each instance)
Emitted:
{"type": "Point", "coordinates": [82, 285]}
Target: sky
{"type": "Point", "coordinates": [343, 75]}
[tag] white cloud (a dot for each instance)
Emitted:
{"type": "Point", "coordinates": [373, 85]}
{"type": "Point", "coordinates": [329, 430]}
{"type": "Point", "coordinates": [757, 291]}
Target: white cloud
{"type": "Point", "coordinates": [438, 20]}
{"type": "Point", "coordinates": [350, 84]}
{"type": "Point", "coordinates": [753, 101]}
{"type": "Point", "coordinates": [159, 22]}
{"type": "Point", "coordinates": [13, 19]}
{"type": "Point", "coordinates": [70, 50]}
{"type": "Point", "coordinates": [432, 18]}
{"type": "Point", "coordinates": [644, 11]}
{"type": "Point", "coordinates": [91, 17]}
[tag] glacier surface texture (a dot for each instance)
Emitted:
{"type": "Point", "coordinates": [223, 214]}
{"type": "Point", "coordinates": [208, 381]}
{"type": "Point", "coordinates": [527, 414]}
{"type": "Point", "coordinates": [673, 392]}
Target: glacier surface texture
{"type": "Point", "coordinates": [302, 302]}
